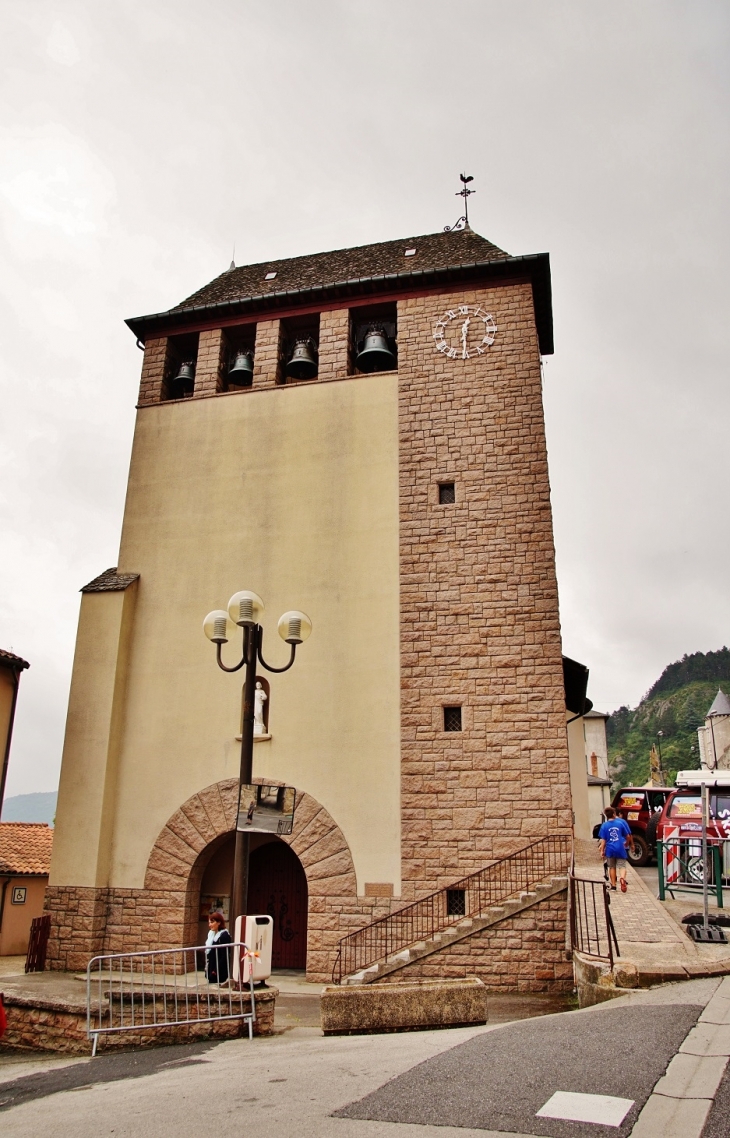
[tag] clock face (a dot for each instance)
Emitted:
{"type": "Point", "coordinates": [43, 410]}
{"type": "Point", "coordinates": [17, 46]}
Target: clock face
{"type": "Point", "coordinates": [464, 332]}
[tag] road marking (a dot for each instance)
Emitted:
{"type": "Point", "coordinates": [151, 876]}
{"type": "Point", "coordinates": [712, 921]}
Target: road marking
{"type": "Point", "coordinates": [601, 1109]}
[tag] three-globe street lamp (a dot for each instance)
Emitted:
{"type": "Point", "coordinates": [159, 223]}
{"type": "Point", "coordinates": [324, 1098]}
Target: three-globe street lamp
{"type": "Point", "coordinates": [244, 609]}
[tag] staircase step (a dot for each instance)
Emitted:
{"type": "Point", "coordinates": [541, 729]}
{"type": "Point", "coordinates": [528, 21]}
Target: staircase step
{"type": "Point", "coordinates": [463, 928]}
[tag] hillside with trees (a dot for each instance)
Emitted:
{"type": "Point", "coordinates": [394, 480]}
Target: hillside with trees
{"type": "Point", "coordinates": [676, 705]}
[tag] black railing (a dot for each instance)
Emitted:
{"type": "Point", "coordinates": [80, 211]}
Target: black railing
{"type": "Point", "coordinates": [472, 896]}
{"type": "Point", "coordinates": [591, 925]}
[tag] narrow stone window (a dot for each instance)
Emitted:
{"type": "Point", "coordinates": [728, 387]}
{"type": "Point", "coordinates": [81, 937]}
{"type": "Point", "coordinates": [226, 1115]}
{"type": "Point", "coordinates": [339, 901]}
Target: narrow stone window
{"type": "Point", "coordinates": [456, 902]}
{"type": "Point", "coordinates": [447, 493]}
{"type": "Point", "coordinates": [452, 719]}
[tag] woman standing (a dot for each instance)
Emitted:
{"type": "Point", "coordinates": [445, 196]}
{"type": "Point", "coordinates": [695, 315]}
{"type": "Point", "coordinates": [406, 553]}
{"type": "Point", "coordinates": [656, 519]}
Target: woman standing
{"type": "Point", "coordinates": [216, 957]}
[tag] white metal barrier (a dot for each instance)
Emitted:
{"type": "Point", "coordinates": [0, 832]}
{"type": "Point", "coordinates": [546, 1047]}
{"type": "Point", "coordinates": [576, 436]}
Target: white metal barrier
{"type": "Point", "coordinates": [137, 991]}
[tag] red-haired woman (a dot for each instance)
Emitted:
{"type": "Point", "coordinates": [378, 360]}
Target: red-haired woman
{"type": "Point", "coordinates": [216, 957]}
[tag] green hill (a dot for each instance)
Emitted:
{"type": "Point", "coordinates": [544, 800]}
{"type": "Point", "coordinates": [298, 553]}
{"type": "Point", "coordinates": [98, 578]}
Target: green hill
{"type": "Point", "coordinates": [676, 705]}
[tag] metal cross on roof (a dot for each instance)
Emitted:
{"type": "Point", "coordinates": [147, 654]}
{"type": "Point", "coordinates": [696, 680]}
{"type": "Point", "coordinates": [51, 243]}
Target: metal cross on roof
{"type": "Point", "coordinates": [464, 193]}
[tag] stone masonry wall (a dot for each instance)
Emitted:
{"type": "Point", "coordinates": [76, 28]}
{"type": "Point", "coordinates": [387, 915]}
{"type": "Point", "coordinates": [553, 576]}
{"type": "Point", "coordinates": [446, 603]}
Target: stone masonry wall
{"type": "Point", "coordinates": [154, 371]}
{"type": "Point", "coordinates": [479, 601]}
{"type": "Point", "coordinates": [525, 953]}
{"type": "Point", "coordinates": [210, 362]}
{"type": "Point", "coordinates": [47, 1025]}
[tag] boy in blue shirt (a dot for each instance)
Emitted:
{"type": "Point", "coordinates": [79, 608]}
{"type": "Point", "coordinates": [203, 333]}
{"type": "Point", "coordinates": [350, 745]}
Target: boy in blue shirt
{"type": "Point", "coordinates": [615, 835]}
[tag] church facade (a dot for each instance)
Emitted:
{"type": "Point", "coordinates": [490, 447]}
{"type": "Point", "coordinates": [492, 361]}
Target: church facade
{"type": "Point", "coordinates": [403, 503]}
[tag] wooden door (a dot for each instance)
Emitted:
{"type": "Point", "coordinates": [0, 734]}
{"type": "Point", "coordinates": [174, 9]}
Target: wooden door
{"type": "Point", "coordinates": [278, 886]}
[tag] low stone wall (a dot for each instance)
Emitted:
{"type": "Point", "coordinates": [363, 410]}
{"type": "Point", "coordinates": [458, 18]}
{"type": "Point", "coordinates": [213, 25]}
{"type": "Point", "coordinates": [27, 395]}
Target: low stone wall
{"type": "Point", "coordinates": [36, 1024]}
{"type": "Point", "coordinates": [524, 953]}
{"type": "Point", "coordinates": [596, 982]}
{"type": "Point", "coordinates": [370, 1008]}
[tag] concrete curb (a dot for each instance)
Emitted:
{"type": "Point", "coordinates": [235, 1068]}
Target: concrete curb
{"type": "Point", "coordinates": [681, 1101]}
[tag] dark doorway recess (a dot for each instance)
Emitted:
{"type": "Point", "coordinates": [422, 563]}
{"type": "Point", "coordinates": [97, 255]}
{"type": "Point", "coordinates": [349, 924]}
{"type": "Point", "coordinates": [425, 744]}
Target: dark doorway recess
{"type": "Point", "coordinates": [278, 886]}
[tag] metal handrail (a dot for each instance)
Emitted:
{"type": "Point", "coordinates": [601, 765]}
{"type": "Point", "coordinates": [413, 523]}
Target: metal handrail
{"type": "Point", "coordinates": [471, 896]}
{"type": "Point", "coordinates": [592, 931]}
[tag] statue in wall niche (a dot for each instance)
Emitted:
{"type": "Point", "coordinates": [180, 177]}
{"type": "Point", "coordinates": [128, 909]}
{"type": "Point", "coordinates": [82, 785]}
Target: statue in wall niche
{"type": "Point", "coordinates": [260, 697]}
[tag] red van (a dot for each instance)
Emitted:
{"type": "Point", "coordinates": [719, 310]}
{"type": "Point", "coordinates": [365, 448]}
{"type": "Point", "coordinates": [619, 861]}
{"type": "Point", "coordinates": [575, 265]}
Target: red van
{"type": "Point", "coordinates": [683, 812]}
{"type": "Point", "coordinates": [683, 809]}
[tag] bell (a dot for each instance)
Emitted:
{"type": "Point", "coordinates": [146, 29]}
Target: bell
{"type": "Point", "coordinates": [303, 362]}
{"type": "Point", "coordinates": [240, 373]}
{"type": "Point", "coordinates": [375, 354]}
{"type": "Point", "coordinates": [184, 381]}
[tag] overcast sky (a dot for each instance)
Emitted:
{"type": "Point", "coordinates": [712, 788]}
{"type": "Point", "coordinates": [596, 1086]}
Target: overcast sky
{"type": "Point", "coordinates": [140, 140]}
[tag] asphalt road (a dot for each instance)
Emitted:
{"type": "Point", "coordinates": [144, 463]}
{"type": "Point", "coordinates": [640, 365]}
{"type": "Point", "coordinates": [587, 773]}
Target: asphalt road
{"type": "Point", "coordinates": [500, 1081]}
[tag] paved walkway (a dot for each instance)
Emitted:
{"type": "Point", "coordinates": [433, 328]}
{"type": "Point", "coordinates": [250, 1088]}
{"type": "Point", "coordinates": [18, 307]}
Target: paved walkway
{"type": "Point", "coordinates": [647, 931]}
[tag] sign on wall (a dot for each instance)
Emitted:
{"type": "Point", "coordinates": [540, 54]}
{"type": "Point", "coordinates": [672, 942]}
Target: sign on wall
{"type": "Point", "coordinates": [19, 895]}
{"type": "Point", "coordinates": [266, 809]}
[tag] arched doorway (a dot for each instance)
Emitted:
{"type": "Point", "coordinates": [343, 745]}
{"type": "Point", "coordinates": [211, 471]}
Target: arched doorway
{"type": "Point", "coordinates": [277, 885]}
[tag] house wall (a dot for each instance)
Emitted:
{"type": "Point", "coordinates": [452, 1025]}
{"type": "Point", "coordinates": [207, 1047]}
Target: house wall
{"type": "Point", "coordinates": [578, 779]}
{"type": "Point", "coordinates": [595, 743]}
{"type": "Point", "coordinates": [8, 683]}
{"type": "Point", "coordinates": [16, 921]}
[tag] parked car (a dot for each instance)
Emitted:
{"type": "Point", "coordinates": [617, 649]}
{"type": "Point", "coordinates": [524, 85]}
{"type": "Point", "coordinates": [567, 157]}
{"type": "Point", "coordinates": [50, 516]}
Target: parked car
{"type": "Point", "coordinates": [641, 807]}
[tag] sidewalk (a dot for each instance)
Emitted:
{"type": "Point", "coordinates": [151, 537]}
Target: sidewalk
{"type": "Point", "coordinates": [648, 934]}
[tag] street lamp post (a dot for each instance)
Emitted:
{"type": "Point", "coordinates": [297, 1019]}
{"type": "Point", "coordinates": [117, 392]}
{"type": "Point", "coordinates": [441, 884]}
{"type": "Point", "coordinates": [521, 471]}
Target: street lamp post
{"type": "Point", "coordinates": [244, 610]}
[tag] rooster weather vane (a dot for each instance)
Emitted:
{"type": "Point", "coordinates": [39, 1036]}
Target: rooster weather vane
{"type": "Point", "coordinates": [464, 193]}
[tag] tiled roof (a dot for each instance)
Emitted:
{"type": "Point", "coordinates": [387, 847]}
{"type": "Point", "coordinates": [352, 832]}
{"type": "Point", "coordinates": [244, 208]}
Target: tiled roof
{"type": "Point", "coordinates": [440, 260]}
{"type": "Point", "coordinates": [12, 661]}
{"type": "Point", "coordinates": [110, 582]}
{"type": "Point", "coordinates": [25, 847]}
{"type": "Point", "coordinates": [317, 270]}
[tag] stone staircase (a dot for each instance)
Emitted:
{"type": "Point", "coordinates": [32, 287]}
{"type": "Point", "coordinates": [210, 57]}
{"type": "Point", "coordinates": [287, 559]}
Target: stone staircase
{"type": "Point", "coordinates": [455, 912]}
{"type": "Point", "coordinates": [464, 928]}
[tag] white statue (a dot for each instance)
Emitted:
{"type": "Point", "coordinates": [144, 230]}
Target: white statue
{"type": "Point", "coordinates": [260, 697]}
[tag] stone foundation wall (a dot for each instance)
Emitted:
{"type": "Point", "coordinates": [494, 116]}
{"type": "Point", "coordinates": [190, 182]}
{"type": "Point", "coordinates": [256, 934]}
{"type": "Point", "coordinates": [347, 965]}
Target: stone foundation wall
{"type": "Point", "coordinates": [525, 953]}
{"type": "Point", "coordinates": [45, 1026]}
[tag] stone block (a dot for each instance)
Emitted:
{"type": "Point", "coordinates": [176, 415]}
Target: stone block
{"type": "Point", "coordinates": [409, 1006]}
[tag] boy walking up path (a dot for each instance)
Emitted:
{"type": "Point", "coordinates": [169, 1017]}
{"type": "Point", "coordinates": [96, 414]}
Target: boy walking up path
{"type": "Point", "coordinates": [614, 841]}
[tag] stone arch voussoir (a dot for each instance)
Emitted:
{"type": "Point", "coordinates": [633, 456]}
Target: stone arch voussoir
{"type": "Point", "coordinates": [209, 814]}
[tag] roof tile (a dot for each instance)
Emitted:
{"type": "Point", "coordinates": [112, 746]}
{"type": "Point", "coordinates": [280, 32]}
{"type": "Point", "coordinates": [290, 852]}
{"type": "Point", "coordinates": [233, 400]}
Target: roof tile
{"type": "Point", "coordinates": [25, 847]}
{"type": "Point", "coordinates": [318, 270]}
{"type": "Point", "coordinates": [110, 582]}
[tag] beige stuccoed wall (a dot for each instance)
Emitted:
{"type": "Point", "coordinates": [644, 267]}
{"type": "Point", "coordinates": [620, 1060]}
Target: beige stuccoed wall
{"type": "Point", "coordinates": [291, 492]}
{"type": "Point", "coordinates": [94, 732]}
{"type": "Point", "coordinates": [578, 777]}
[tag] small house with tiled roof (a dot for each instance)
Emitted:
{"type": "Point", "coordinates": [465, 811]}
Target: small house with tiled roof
{"type": "Point", "coordinates": [357, 434]}
{"type": "Point", "coordinates": [25, 861]}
